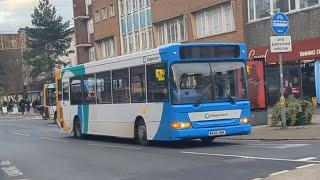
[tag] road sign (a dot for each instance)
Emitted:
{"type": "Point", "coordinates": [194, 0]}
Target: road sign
{"type": "Point", "coordinates": [280, 24]}
{"type": "Point", "coordinates": [280, 44]}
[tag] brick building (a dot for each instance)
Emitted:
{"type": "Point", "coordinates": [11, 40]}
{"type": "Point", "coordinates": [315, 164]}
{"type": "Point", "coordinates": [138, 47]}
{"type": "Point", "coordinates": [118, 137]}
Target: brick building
{"type": "Point", "coordinates": [300, 64]}
{"type": "Point", "coordinates": [106, 28]}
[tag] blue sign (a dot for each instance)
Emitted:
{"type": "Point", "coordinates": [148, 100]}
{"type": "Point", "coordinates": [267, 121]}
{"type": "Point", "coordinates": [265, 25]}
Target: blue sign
{"type": "Point", "coordinates": [280, 24]}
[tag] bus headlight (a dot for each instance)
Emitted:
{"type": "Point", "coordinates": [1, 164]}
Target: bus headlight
{"type": "Point", "coordinates": [180, 125]}
{"type": "Point", "coordinates": [245, 120]}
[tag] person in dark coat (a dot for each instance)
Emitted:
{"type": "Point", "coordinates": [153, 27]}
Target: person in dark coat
{"type": "Point", "coordinates": [22, 106]}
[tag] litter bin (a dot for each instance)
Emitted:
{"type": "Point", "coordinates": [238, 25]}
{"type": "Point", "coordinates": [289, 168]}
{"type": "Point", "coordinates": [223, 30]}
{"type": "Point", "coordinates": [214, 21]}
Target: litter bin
{"type": "Point", "coordinates": [314, 101]}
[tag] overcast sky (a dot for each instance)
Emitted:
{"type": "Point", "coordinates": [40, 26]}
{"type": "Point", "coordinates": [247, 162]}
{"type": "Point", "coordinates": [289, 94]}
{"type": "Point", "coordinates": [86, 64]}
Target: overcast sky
{"type": "Point", "coordinates": [17, 13]}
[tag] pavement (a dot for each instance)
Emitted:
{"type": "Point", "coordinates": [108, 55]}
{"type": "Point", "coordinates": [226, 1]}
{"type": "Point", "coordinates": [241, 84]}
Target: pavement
{"type": "Point", "coordinates": [35, 149]}
{"type": "Point", "coordinates": [266, 132]}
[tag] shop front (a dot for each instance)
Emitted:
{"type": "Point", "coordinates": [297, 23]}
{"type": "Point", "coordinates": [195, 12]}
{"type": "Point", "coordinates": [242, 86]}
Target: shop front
{"type": "Point", "coordinates": [299, 70]}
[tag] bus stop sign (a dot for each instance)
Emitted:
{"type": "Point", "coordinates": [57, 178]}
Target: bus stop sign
{"type": "Point", "coordinates": [280, 24]}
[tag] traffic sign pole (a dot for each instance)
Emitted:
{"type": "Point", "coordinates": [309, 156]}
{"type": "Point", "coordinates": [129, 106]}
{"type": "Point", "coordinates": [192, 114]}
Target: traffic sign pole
{"type": "Point", "coordinates": [280, 26]}
{"type": "Point", "coordinates": [282, 99]}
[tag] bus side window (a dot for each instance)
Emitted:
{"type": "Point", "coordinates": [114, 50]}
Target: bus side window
{"type": "Point", "coordinates": [137, 81]}
{"type": "Point", "coordinates": [65, 91]}
{"type": "Point", "coordinates": [120, 86]}
{"type": "Point", "coordinates": [157, 83]}
{"type": "Point", "coordinates": [104, 87]}
{"type": "Point", "coordinates": [89, 90]}
{"type": "Point", "coordinates": [76, 90]}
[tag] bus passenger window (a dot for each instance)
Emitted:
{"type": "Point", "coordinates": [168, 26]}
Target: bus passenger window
{"type": "Point", "coordinates": [65, 91]}
{"type": "Point", "coordinates": [120, 86]}
{"type": "Point", "coordinates": [59, 90]}
{"type": "Point", "coordinates": [76, 91]}
{"type": "Point", "coordinates": [137, 78]}
{"type": "Point", "coordinates": [104, 87]}
{"type": "Point", "coordinates": [89, 90]}
{"type": "Point", "coordinates": [157, 83]}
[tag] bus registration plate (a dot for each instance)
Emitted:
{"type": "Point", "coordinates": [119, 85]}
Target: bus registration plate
{"type": "Point", "coordinates": [217, 133]}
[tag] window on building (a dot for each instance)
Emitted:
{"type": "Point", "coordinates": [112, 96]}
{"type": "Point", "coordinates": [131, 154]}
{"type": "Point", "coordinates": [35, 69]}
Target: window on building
{"type": "Point", "coordinates": [65, 91]}
{"type": "Point", "coordinates": [111, 10]}
{"type": "Point", "coordinates": [308, 3]}
{"type": "Point", "coordinates": [104, 13]}
{"type": "Point", "coordinates": [90, 26]}
{"type": "Point", "coordinates": [281, 5]}
{"type": "Point", "coordinates": [215, 20]}
{"type": "Point", "coordinates": [106, 47]}
{"type": "Point", "coordinates": [89, 90]}
{"type": "Point", "coordinates": [259, 9]}
{"type": "Point", "coordinates": [97, 16]}
{"type": "Point", "coordinates": [137, 81]}
{"type": "Point", "coordinates": [92, 54]}
{"type": "Point", "coordinates": [172, 31]}
{"type": "Point", "coordinates": [135, 20]}
{"type": "Point", "coordinates": [120, 86]}
{"type": "Point", "coordinates": [76, 90]}
{"type": "Point", "coordinates": [104, 87]}
{"type": "Point", "coordinates": [156, 83]}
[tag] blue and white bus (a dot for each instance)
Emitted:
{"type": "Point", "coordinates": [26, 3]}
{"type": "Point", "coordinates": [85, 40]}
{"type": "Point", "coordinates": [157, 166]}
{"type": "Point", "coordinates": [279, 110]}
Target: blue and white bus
{"type": "Point", "coordinates": [174, 92]}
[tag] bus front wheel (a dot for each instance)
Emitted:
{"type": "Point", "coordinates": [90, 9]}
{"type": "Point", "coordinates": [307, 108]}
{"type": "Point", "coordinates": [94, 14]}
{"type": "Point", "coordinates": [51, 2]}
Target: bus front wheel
{"type": "Point", "coordinates": [77, 129]}
{"type": "Point", "coordinates": [141, 133]}
{"type": "Point", "coordinates": [207, 140]}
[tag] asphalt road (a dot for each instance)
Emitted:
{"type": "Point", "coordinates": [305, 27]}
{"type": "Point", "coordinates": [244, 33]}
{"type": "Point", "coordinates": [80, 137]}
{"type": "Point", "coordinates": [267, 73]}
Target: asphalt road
{"type": "Point", "coordinates": [35, 149]}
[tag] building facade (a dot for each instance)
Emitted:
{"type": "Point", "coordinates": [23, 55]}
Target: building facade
{"type": "Point", "coordinates": [300, 64]}
{"type": "Point", "coordinates": [107, 28]}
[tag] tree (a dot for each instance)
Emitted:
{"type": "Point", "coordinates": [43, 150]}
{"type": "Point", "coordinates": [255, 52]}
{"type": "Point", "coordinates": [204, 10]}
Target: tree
{"type": "Point", "coordinates": [48, 39]}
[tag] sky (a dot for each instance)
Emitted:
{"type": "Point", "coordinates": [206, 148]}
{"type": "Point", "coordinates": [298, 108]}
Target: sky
{"type": "Point", "coordinates": [17, 13]}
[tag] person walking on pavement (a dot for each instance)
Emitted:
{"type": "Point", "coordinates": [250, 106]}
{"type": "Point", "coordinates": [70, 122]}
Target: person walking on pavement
{"type": "Point", "coordinates": [22, 106]}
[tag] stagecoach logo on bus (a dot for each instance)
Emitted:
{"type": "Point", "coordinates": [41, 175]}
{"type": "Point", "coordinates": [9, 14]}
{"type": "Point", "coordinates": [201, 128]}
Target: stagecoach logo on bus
{"type": "Point", "coordinates": [215, 115]}
{"type": "Point", "coordinates": [150, 59]}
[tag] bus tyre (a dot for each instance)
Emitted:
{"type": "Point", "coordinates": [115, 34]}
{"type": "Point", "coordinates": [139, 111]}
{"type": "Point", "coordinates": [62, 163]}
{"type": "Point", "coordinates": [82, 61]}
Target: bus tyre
{"type": "Point", "coordinates": [207, 140]}
{"type": "Point", "coordinates": [77, 129]}
{"type": "Point", "coordinates": [141, 133]}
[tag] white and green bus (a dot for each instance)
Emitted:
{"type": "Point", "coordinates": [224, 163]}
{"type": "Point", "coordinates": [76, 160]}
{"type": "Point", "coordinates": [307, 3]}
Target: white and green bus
{"type": "Point", "coordinates": [174, 92]}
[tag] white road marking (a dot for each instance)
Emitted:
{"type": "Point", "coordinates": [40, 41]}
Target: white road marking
{"type": "Point", "coordinates": [12, 171]}
{"type": "Point", "coordinates": [21, 134]}
{"type": "Point", "coordinates": [257, 178]}
{"type": "Point", "coordinates": [275, 146]}
{"type": "Point", "coordinates": [277, 173]}
{"type": "Point", "coordinates": [307, 158]}
{"type": "Point", "coordinates": [308, 165]}
{"type": "Point", "coordinates": [111, 146]}
{"type": "Point", "coordinates": [53, 139]}
{"type": "Point", "coordinates": [247, 157]}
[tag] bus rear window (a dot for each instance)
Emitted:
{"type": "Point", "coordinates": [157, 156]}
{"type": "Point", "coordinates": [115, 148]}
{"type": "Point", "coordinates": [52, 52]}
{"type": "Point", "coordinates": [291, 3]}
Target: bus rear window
{"type": "Point", "coordinates": [209, 52]}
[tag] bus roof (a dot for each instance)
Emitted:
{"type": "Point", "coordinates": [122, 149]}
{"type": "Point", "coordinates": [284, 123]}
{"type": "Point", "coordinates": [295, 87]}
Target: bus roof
{"type": "Point", "coordinates": [169, 52]}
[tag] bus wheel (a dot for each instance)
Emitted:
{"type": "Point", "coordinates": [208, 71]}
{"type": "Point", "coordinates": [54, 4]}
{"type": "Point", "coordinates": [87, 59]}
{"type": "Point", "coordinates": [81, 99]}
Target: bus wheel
{"type": "Point", "coordinates": [207, 140]}
{"type": "Point", "coordinates": [141, 133]}
{"type": "Point", "coordinates": [77, 129]}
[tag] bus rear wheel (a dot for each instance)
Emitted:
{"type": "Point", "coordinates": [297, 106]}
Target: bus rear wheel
{"type": "Point", "coordinates": [207, 140]}
{"type": "Point", "coordinates": [141, 134]}
{"type": "Point", "coordinates": [77, 133]}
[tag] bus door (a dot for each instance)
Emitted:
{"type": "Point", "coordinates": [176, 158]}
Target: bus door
{"type": "Point", "coordinates": [65, 105]}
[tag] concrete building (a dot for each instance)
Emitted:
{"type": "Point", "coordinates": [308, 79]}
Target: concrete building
{"type": "Point", "coordinates": [107, 28]}
{"type": "Point", "coordinates": [300, 64]}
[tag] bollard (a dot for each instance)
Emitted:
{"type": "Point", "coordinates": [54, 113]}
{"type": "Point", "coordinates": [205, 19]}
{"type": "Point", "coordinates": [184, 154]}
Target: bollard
{"type": "Point", "coordinates": [314, 102]}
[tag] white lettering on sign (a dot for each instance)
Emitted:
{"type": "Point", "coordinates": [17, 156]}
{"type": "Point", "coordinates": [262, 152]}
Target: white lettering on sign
{"type": "Point", "coordinates": [214, 115]}
{"type": "Point", "coordinates": [280, 44]}
{"type": "Point", "coordinates": [313, 52]}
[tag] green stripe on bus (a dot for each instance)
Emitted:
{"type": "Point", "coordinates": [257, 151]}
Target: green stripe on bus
{"type": "Point", "coordinates": [85, 118]}
{"type": "Point", "coordinates": [76, 70]}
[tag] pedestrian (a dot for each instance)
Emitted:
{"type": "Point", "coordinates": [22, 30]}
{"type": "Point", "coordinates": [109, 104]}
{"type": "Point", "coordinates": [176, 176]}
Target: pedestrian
{"type": "Point", "coordinates": [22, 106]}
{"type": "Point", "coordinates": [28, 106]}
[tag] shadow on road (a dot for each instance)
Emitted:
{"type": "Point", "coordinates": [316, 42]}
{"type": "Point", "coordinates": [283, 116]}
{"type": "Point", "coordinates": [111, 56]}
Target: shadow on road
{"type": "Point", "coordinates": [186, 144]}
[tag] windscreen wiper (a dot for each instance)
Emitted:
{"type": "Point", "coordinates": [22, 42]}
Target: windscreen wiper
{"type": "Point", "coordinates": [231, 98]}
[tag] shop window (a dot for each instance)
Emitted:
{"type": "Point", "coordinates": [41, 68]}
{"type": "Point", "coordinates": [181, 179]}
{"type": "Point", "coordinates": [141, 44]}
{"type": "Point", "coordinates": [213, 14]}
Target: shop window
{"type": "Point", "coordinates": [281, 5]}
{"type": "Point", "coordinates": [308, 3]}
